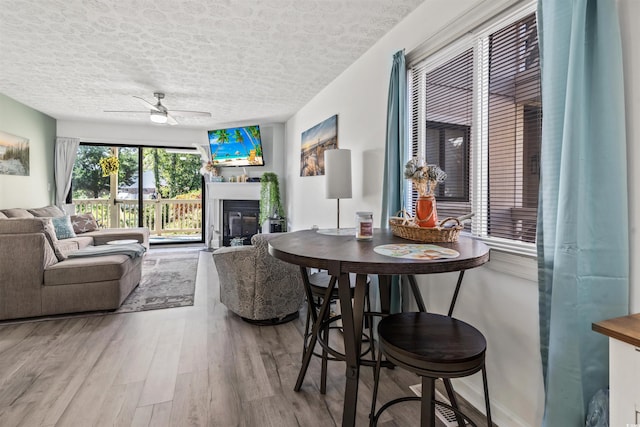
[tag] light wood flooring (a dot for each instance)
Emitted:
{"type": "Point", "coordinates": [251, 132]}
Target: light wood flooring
{"type": "Point", "coordinates": [189, 366]}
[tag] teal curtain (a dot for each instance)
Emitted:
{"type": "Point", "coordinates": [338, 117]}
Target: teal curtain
{"type": "Point", "coordinates": [395, 152]}
{"type": "Point", "coordinates": [583, 247]}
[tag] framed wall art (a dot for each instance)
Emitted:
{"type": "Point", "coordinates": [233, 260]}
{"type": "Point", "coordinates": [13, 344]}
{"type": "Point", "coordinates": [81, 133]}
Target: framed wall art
{"type": "Point", "coordinates": [315, 141]}
{"type": "Point", "coordinates": [14, 154]}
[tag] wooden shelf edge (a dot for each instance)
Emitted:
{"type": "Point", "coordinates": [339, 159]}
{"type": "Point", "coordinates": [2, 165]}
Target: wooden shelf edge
{"type": "Point", "coordinates": [625, 328]}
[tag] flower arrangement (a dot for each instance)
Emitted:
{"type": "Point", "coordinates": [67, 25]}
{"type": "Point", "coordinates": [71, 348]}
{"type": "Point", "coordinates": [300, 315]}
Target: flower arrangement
{"type": "Point", "coordinates": [424, 177]}
{"type": "Point", "coordinates": [210, 168]}
{"type": "Point", "coordinates": [109, 165]}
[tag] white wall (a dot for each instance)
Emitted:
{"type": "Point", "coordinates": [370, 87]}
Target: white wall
{"type": "Point", "coordinates": [629, 11]}
{"type": "Point", "coordinates": [501, 298]}
{"type": "Point", "coordinates": [359, 97]}
{"type": "Point", "coordinates": [37, 189]}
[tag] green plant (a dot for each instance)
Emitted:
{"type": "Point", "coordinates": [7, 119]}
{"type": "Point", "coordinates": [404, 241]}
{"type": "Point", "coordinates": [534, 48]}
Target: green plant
{"type": "Point", "coordinates": [269, 197]}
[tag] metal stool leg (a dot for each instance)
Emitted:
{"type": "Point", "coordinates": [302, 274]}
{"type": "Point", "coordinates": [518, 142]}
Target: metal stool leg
{"type": "Point", "coordinates": [369, 320]}
{"type": "Point", "coordinates": [376, 377]}
{"type": "Point", "coordinates": [314, 335]}
{"type": "Point", "coordinates": [307, 327]}
{"type": "Point", "coordinates": [427, 404]}
{"type": "Point", "coordinates": [453, 400]}
{"type": "Point", "coordinates": [486, 395]}
{"type": "Point", "coordinates": [325, 356]}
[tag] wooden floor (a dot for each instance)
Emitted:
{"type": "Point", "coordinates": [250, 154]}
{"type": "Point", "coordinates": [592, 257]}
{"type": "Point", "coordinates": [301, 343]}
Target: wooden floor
{"type": "Point", "coordinates": [189, 366]}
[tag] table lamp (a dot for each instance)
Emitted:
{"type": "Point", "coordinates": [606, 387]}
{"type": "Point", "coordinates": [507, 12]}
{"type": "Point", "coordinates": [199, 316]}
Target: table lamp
{"type": "Point", "coordinates": [337, 172]}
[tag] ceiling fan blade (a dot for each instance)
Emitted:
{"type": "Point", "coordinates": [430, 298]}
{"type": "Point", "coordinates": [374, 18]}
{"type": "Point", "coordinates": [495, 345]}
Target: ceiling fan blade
{"type": "Point", "coordinates": [171, 120]}
{"type": "Point", "coordinates": [118, 111]}
{"type": "Point", "coordinates": [185, 113]}
{"type": "Point", "coordinates": [148, 104]}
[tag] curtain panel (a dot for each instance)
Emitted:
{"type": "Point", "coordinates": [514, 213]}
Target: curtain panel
{"type": "Point", "coordinates": [395, 153]}
{"type": "Point", "coordinates": [65, 157]}
{"type": "Point", "coordinates": [583, 247]}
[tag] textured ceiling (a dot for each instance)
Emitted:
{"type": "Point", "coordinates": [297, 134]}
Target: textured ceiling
{"type": "Point", "coordinates": [241, 60]}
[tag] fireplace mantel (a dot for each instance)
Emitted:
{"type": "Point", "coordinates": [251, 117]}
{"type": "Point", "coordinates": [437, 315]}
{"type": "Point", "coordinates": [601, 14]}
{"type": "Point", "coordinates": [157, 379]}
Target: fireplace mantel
{"type": "Point", "coordinates": [216, 193]}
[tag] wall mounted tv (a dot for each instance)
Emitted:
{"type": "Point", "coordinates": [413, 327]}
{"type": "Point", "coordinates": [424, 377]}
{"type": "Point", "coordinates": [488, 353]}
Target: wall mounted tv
{"type": "Point", "coordinates": [240, 146]}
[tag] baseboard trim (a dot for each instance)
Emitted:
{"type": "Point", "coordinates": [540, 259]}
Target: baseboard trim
{"type": "Point", "coordinates": [475, 396]}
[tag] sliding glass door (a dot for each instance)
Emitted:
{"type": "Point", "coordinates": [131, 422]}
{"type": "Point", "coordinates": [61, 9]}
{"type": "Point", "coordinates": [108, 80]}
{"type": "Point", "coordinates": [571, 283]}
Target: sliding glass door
{"type": "Point", "coordinates": [155, 187]}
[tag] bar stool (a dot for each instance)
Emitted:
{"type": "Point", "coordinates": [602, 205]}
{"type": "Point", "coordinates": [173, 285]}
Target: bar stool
{"type": "Point", "coordinates": [318, 284]}
{"type": "Point", "coordinates": [432, 346]}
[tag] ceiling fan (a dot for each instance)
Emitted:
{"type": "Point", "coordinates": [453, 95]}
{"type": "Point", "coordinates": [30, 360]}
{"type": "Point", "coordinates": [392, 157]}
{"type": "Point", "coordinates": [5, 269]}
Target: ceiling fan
{"type": "Point", "coordinates": [158, 113]}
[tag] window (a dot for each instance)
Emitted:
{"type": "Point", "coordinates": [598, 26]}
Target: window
{"type": "Point", "coordinates": [476, 112]}
{"type": "Point", "coordinates": [448, 146]}
{"type": "Point", "coordinates": [442, 113]}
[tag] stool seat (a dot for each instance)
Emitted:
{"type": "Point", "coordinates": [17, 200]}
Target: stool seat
{"type": "Point", "coordinates": [432, 346]}
{"type": "Point", "coordinates": [433, 343]}
{"type": "Point", "coordinates": [319, 282]}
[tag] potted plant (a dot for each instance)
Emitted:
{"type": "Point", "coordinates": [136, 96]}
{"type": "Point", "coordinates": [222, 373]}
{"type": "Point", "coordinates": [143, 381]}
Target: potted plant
{"type": "Point", "coordinates": [270, 206]}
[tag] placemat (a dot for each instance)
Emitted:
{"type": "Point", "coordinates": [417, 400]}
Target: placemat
{"type": "Point", "coordinates": [337, 231]}
{"type": "Point", "coordinates": [416, 251]}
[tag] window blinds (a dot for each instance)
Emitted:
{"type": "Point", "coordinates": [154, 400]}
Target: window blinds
{"type": "Point", "coordinates": [441, 123]}
{"type": "Point", "coordinates": [513, 126]}
{"type": "Point", "coordinates": [500, 77]}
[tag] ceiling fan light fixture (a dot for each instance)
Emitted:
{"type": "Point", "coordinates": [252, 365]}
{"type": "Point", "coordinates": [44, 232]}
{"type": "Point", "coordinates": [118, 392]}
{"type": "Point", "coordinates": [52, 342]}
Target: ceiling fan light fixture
{"type": "Point", "coordinates": [158, 117]}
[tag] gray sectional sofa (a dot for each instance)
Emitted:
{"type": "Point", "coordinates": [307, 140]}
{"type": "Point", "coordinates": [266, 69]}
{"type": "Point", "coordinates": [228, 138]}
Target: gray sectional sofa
{"type": "Point", "coordinates": [37, 276]}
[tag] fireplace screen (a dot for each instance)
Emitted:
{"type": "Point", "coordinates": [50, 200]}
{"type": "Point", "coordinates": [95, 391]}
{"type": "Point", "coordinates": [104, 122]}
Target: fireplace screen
{"type": "Point", "coordinates": [240, 220]}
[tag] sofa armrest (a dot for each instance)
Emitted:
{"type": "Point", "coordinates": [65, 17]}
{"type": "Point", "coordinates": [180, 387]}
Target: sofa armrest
{"type": "Point", "coordinates": [101, 237]}
{"type": "Point", "coordinates": [23, 258]}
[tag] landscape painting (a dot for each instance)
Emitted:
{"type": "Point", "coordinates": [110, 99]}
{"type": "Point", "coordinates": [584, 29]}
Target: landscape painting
{"type": "Point", "coordinates": [14, 154]}
{"type": "Point", "coordinates": [315, 141]}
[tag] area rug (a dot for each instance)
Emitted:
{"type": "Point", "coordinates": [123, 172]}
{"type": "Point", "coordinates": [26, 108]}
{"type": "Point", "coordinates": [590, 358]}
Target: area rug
{"type": "Point", "coordinates": [168, 280]}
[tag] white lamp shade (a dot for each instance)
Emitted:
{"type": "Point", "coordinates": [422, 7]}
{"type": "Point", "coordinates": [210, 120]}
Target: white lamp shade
{"type": "Point", "coordinates": [337, 171]}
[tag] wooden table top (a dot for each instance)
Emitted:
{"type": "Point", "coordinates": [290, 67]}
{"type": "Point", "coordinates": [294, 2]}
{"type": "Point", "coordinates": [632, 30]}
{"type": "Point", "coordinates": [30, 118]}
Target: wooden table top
{"type": "Point", "coordinates": [625, 328]}
{"type": "Point", "coordinates": [329, 252]}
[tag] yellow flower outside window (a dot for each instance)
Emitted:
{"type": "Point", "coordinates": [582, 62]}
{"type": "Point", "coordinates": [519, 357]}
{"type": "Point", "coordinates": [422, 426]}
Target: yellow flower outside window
{"type": "Point", "coordinates": [110, 165]}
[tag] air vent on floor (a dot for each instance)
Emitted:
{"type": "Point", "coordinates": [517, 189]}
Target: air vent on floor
{"type": "Point", "coordinates": [445, 415]}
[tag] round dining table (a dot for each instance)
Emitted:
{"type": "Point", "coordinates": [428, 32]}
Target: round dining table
{"type": "Point", "coordinates": [342, 254]}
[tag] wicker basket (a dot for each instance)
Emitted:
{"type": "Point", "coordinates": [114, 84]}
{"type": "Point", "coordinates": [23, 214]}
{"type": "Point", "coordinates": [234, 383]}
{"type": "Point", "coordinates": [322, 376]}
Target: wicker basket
{"type": "Point", "coordinates": [405, 228]}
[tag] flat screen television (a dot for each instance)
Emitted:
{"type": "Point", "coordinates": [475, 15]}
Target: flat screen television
{"type": "Point", "coordinates": [240, 146]}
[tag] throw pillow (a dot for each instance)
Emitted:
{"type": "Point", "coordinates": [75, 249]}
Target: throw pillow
{"type": "Point", "coordinates": [63, 227]}
{"type": "Point", "coordinates": [50, 233]}
{"type": "Point", "coordinates": [83, 223]}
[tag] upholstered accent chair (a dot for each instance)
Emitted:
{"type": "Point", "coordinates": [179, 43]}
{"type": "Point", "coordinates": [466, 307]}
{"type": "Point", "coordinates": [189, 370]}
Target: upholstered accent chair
{"type": "Point", "coordinates": [256, 286]}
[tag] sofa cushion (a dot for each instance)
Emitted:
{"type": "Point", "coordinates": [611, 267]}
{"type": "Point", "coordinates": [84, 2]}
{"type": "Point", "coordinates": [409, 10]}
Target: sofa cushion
{"type": "Point", "coordinates": [2, 216]}
{"type": "Point", "coordinates": [74, 243]}
{"type": "Point", "coordinates": [88, 270]}
{"type": "Point", "coordinates": [33, 225]}
{"type": "Point", "coordinates": [63, 227]}
{"type": "Point", "coordinates": [22, 225]}
{"type": "Point", "coordinates": [47, 211]}
{"type": "Point", "coordinates": [17, 213]}
{"type": "Point", "coordinates": [83, 223]}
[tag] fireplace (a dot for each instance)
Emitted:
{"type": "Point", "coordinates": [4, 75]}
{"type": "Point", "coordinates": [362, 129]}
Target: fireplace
{"type": "Point", "coordinates": [240, 220]}
{"type": "Point", "coordinates": [217, 194]}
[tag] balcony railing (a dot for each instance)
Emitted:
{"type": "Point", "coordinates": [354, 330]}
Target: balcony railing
{"type": "Point", "coordinates": [162, 217]}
